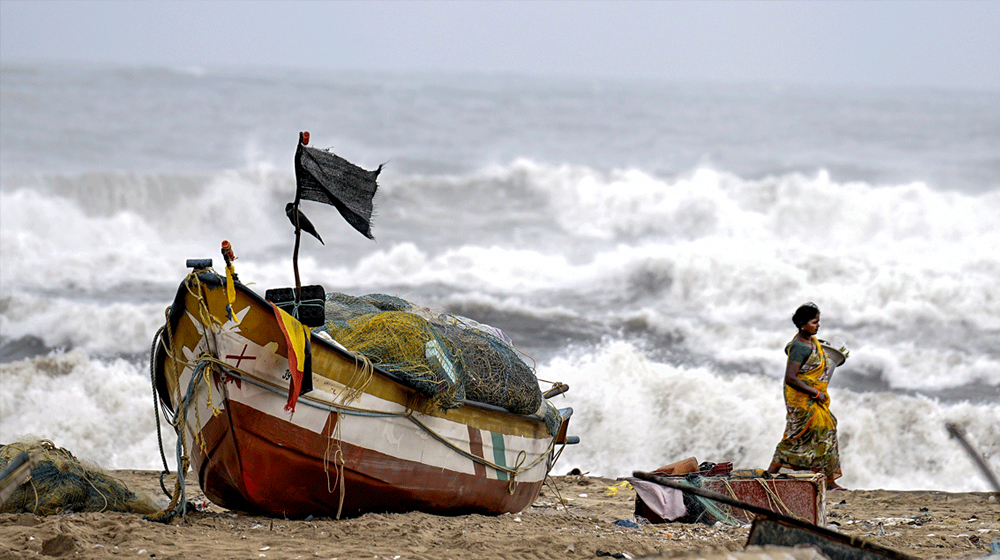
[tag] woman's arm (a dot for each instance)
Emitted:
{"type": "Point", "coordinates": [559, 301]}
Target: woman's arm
{"type": "Point", "coordinates": [793, 381]}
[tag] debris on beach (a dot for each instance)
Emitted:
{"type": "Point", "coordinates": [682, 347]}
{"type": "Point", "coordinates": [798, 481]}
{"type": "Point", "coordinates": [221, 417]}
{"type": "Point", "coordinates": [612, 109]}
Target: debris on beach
{"type": "Point", "coordinates": [798, 494]}
{"type": "Point", "coordinates": [770, 527]}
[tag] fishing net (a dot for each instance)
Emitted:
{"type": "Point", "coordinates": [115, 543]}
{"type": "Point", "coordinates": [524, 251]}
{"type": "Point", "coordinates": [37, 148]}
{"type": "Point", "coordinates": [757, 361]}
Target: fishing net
{"type": "Point", "coordinates": [409, 347]}
{"type": "Point", "coordinates": [59, 482]}
{"type": "Point", "coordinates": [495, 374]}
{"type": "Point", "coordinates": [447, 357]}
{"type": "Point", "coordinates": [341, 308]}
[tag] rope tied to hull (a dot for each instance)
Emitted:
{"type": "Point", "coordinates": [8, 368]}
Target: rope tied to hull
{"type": "Point", "coordinates": [178, 502]}
{"type": "Point", "coordinates": [158, 339]}
{"type": "Point", "coordinates": [200, 370]}
{"type": "Point", "coordinates": [512, 483]}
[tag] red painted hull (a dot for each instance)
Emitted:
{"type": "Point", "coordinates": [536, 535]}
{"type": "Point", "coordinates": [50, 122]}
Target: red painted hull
{"type": "Point", "coordinates": [257, 464]}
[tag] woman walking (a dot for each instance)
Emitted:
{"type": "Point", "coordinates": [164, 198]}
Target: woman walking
{"type": "Point", "coordinates": [810, 440]}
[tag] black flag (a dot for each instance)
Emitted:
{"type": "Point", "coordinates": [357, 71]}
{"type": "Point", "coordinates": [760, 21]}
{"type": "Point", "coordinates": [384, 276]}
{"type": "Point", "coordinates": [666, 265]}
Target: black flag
{"type": "Point", "coordinates": [323, 176]}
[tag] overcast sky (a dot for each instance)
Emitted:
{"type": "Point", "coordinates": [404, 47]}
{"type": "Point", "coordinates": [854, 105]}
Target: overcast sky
{"type": "Point", "coordinates": [951, 44]}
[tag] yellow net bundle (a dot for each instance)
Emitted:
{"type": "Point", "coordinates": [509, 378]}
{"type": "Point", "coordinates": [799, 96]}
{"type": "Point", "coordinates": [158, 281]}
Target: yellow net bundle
{"type": "Point", "coordinates": [59, 482]}
{"type": "Point", "coordinates": [408, 346]}
{"type": "Point", "coordinates": [447, 357]}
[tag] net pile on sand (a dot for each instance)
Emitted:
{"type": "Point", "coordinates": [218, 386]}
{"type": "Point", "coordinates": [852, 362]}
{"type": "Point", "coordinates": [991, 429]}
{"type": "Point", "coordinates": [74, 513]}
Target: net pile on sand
{"type": "Point", "coordinates": [446, 357]}
{"type": "Point", "coordinates": [59, 482]}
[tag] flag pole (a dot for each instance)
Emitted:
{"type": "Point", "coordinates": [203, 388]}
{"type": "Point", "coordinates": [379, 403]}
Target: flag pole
{"type": "Point", "coordinates": [295, 253]}
{"type": "Point", "coordinates": [303, 140]}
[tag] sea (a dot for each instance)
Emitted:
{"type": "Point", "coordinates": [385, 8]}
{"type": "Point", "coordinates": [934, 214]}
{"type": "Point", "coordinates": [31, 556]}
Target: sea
{"type": "Point", "coordinates": [644, 242]}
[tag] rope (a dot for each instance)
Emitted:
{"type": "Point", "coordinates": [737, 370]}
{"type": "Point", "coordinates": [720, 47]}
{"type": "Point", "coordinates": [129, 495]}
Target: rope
{"type": "Point", "coordinates": [775, 498]}
{"type": "Point", "coordinates": [359, 381]}
{"type": "Point", "coordinates": [338, 465]}
{"type": "Point", "coordinates": [723, 515]}
{"type": "Point", "coordinates": [730, 518]}
{"type": "Point", "coordinates": [296, 304]}
{"type": "Point", "coordinates": [348, 410]}
{"type": "Point", "coordinates": [178, 504]}
{"type": "Point", "coordinates": [355, 411]}
{"type": "Point", "coordinates": [34, 489]}
{"type": "Point", "coordinates": [156, 407]}
{"type": "Point", "coordinates": [99, 493]}
{"type": "Point", "coordinates": [512, 485]}
{"type": "Point", "coordinates": [551, 483]}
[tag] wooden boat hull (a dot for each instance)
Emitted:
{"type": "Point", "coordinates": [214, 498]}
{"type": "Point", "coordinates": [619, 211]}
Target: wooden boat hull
{"type": "Point", "coordinates": [360, 441]}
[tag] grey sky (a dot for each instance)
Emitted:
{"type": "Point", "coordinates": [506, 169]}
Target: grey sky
{"type": "Point", "coordinates": [939, 44]}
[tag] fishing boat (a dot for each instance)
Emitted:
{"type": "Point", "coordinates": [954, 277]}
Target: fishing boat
{"type": "Point", "coordinates": [360, 441]}
{"type": "Point", "coordinates": [279, 417]}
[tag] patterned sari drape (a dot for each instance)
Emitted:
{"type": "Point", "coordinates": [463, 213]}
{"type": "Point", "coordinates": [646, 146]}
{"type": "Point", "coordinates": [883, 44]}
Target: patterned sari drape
{"type": "Point", "coordinates": [810, 439]}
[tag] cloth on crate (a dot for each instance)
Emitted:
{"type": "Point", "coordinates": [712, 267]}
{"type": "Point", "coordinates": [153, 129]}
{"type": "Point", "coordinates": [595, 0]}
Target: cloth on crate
{"type": "Point", "coordinates": [665, 503]}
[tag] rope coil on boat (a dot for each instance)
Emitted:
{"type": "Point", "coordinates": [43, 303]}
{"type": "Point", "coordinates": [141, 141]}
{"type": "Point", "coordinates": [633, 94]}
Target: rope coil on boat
{"type": "Point", "coordinates": [512, 485]}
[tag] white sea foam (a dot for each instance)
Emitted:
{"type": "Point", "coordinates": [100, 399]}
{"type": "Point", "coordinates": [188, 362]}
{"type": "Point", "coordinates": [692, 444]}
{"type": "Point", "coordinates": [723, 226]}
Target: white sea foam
{"type": "Point", "coordinates": [636, 414]}
{"type": "Point", "coordinates": [99, 327]}
{"type": "Point", "coordinates": [724, 277]}
{"type": "Point", "coordinates": [101, 410]}
{"type": "Point", "coordinates": [632, 413]}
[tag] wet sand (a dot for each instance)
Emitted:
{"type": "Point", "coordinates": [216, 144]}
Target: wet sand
{"type": "Point", "coordinates": [923, 524]}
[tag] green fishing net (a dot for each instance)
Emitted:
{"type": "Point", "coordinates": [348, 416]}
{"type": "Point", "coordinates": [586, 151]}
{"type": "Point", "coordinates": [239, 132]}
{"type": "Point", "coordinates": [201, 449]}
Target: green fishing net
{"type": "Point", "coordinates": [59, 482]}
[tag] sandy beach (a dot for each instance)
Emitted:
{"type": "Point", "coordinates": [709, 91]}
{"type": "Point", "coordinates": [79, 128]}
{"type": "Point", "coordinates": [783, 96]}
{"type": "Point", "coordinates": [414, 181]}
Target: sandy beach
{"type": "Point", "coordinates": [923, 524]}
